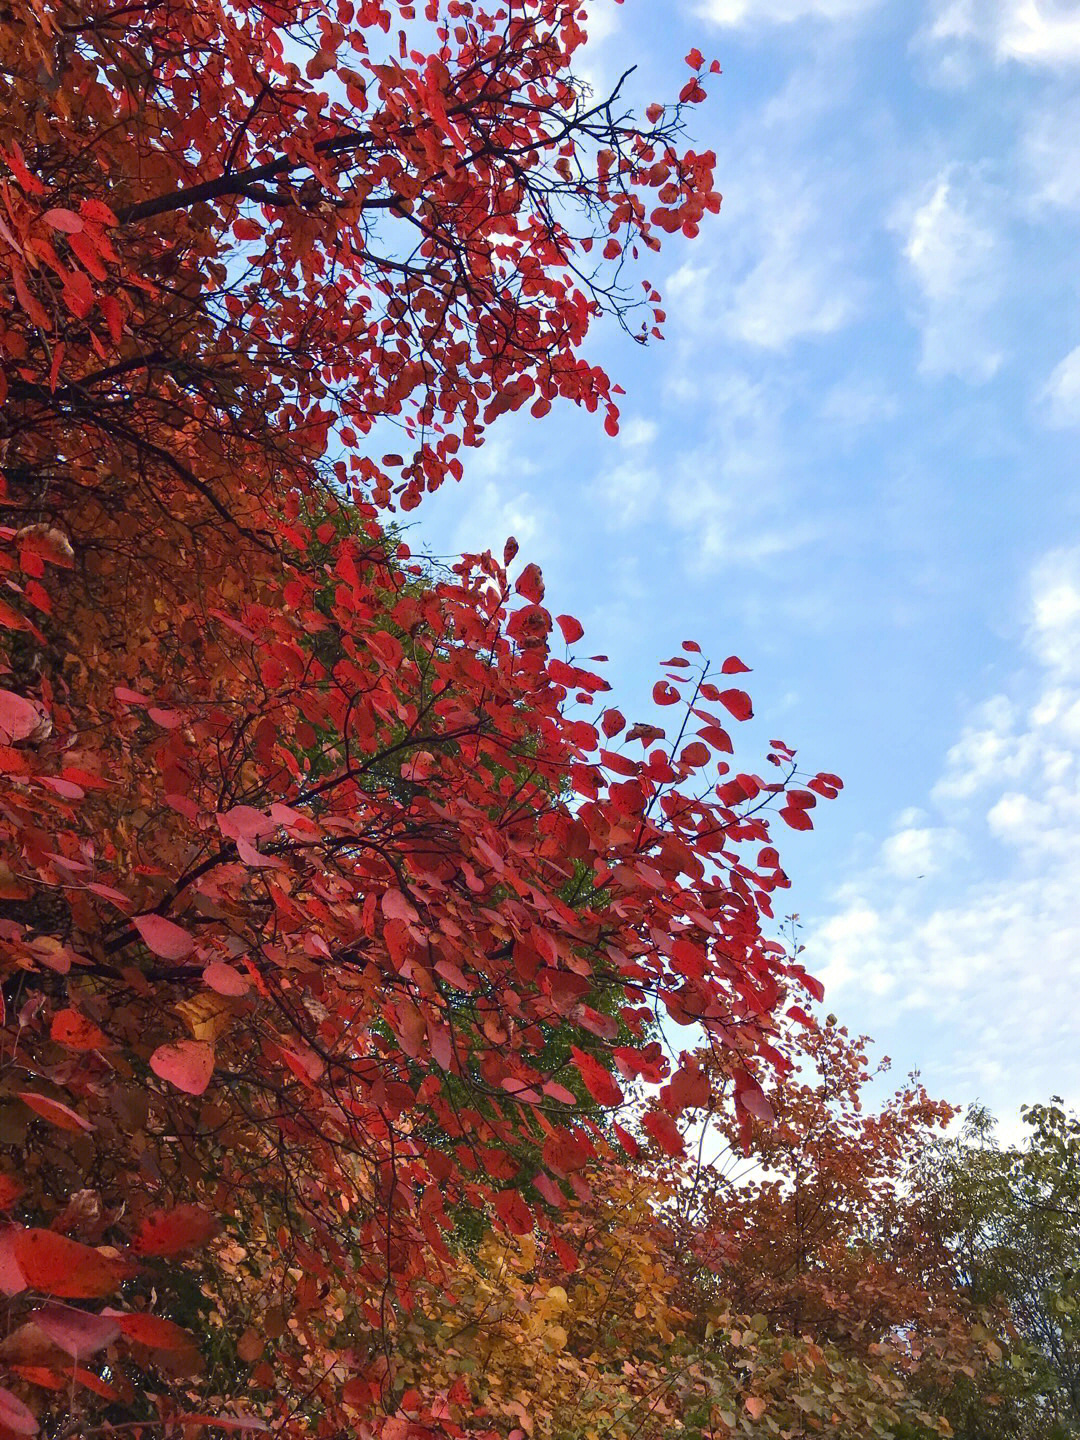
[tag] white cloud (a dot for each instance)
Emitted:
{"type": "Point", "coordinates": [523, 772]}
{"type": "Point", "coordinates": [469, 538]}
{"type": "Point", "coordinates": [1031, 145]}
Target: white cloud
{"type": "Point", "coordinates": [1061, 395]}
{"type": "Point", "coordinates": [1051, 157]}
{"type": "Point", "coordinates": [637, 432]}
{"type": "Point", "coordinates": [912, 852]}
{"type": "Point", "coordinates": [593, 63]}
{"type": "Point", "coordinates": [986, 970]}
{"type": "Point", "coordinates": [627, 494]}
{"type": "Point", "coordinates": [858, 401]}
{"type": "Point", "coordinates": [730, 493]}
{"type": "Point", "coordinates": [1030, 32]}
{"type": "Point", "coordinates": [602, 19]}
{"type": "Point", "coordinates": [493, 515]}
{"type": "Point", "coordinates": [1054, 630]}
{"type": "Point", "coordinates": [784, 273]}
{"type": "Point", "coordinates": [724, 499]}
{"type": "Point", "coordinates": [786, 297]}
{"type": "Point", "coordinates": [494, 503]}
{"type": "Point", "coordinates": [740, 13]}
{"type": "Point", "coordinates": [954, 256]}
{"type": "Point", "coordinates": [945, 247]}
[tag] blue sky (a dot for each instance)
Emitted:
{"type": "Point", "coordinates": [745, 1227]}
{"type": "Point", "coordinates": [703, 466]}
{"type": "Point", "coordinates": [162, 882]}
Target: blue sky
{"type": "Point", "coordinates": [852, 462]}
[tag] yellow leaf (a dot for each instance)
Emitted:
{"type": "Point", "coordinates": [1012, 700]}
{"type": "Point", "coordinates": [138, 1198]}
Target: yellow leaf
{"type": "Point", "coordinates": [206, 1015]}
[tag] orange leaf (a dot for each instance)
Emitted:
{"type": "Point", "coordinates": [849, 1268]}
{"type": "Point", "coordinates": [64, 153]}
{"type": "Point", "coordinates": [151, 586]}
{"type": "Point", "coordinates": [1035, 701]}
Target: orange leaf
{"type": "Point", "coordinates": [170, 1232]}
{"type": "Point", "coordinates": [153, 1331]}
{"type": "Point", "coordinates": [55, 1265]}
{"type": "Point", "coordinates": [75, 1032]}
{"type": "Point", "coordinates": [62, 1116]}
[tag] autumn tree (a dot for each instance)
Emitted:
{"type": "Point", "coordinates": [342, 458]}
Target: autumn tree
{"type": "Point", "coordinates": [813, 1217]}
{"type": "Point", "coordinates": [338, 906]}
{"type": "Point", "coordinates": [617, 1344]}
{"type": "Point", "coordinates": [1008, 1216]}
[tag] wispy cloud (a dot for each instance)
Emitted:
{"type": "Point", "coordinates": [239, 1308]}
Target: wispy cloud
{"type": "Point", "coordinates": [1031, 32]}
{"type": "Point", "coordinates": [786, 273]}
{"type": "Point", "coordinates": [744, 13]}
{"type": "Point", "coordinates": [954, 256]}
{"type": "Point", "coordinates": [498, 502]}
{"type": "Point", "coordinates": [1060, 399]}
{"type": "Point", "coordinates": [991, 965]}
{"type": "Point", "coordinates": [722, 500]}
{"type": "Point", "coordinates": [1051, 156]}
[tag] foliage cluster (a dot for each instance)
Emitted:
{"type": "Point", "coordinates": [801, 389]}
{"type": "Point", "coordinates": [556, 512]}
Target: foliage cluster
{"type": "Point", "coordinates": [344, 921]}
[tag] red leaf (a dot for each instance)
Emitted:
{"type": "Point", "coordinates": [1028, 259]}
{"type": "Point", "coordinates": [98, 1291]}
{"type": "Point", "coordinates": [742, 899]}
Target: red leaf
{"type": "Point", "coordinates": [627, 1141]}
{"type": "Point", "coordinates": [98, 211]}
{"type": "Point", "coordinates": [18, 717]}
{"type": "Point", "coordinates": [58, 1114]}
{"type": "Point", "coordinates": [54, 1265]}
{"type": "Point", "coordinates": [816, 988]}
{"type": "Point", "coordinates": [164, 937]}
{"type": "Point", "coordinates": [801, 799]}
{"type": "Point", "coordinates": [664, 1131]}
{"type": "Point", "coordinates": [734, 666]}
{"type": "Point", "coordinates": [225, 980]}
{"type": "Point", "coordinates": [530, 584]}
{"type": "Point", "coordinates": [513, 1212]}
{"type": "Point", "coordinates": [827, 786]}
{"type": "Point", "coordinates": [737, 702]}
{"type": "Point", "coordinates": [14, 1415]}
{"type": "Point", "coordinates": [12, 1280]}
{"type": "Point", "coordinates": [171, 1232]}
{"type": "Point", "coordinates": [244, 822]}
{"type": "Point", "coordinates": [549, 1190]}
{"type": "Point", "coordinates": [664, 694]}
{"type": "Point", "coordinates": [50, 1379]}
{"type": "Point", "coordinates": [80, 1333]}
{"type": "Point", "coordinates": [688, 1089]}
{"type": "Point", "coordinates": [10, 1190]}
{"type": "Point", "coordinates": [599, 1083]}
{"type": "Point", "coordinates": [188, 1065]}
{"type": "Point", "coordinates": [752, 1099]}
{"type": "Point", "coordinates": [695, 754]}
{"type": "Point", "coordinates": [796, 817]}
{"type": "Point", "coordinates": [718, 738]}
{"type": "Point", "coordinates": [153, 1331]}
{"type": "Point", "coordinates": [75, 1032]}
{"type": "Point", "coordinates": [572, 629]}
{"type": "Point", "coordinates": [64, 220]}
{"type": "Point", "coordinates": [108, 892]}
{"type": "Point", "coordinates": [167, 719]}
{"type": "Point", "coordinates": [396, 906]}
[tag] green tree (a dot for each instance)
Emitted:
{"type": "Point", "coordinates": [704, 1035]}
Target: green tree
{"type": "Point", "coordinates": [1009, 1216]}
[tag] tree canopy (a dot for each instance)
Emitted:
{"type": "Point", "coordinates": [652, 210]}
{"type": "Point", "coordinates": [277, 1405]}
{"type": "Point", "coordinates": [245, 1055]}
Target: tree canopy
{"type": "Point", "coordinates": [371, 989]}
{"type": "Point", "coordinates": [341, 914]}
